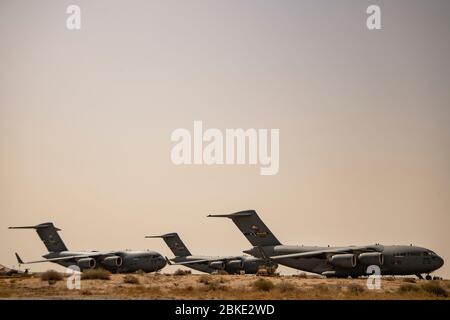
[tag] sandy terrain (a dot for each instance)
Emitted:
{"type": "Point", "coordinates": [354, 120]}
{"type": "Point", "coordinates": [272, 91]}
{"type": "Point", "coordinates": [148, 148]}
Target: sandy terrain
{"type": "Point", "coordinates": [165, 286]}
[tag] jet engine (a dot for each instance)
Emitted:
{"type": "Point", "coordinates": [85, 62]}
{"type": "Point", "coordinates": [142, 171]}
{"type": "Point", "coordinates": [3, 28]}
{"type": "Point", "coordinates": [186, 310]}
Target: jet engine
{"type": "Point", "coordinates": [219, 265]}
{"type": "Point", "coordinates": [87, 263]}
{"type": "Point", "coordinates": [238, 264]}
{"type": "Point", "coordinates": [347, 260]}
{"type": "Point", "coordinates": [113, 261]}
{"type": "Point", "coordinates": [371, 258]}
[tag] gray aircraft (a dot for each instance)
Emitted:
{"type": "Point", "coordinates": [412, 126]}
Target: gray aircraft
{"type": "Point", "coordinates": [210, 264]}
{"type": "Point", "coordinates": [113, 261]}
{"type": "Point", "coordinates": [334, 261]}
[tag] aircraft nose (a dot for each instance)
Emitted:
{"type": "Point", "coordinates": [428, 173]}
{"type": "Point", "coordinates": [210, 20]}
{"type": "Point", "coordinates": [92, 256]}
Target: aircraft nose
{"type": "Point", "coordinates": [162, 262]}
{"type": "Point", "coordinates": [440, 262]}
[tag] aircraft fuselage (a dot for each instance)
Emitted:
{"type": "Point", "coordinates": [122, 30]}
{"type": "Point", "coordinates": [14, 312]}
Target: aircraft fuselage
{"type": "Point", "coordinates": [124, 262]}
{"type": "Point", "coordinates": [397, 260]}
{"type": "Point", "coordinates": [249, 265]}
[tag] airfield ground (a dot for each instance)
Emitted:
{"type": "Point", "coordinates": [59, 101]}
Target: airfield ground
{"type": "Point", "coordinates": [192, 286]}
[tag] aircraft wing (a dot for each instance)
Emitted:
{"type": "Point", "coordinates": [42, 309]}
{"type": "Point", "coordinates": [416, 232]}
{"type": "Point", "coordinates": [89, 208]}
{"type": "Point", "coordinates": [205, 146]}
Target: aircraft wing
{"type": "Point", "coordinates": [188, 262]}
{"type": "Point", "coordinates": [78, 256]}
{"type": "Point", "coordinates": [311, 254]}
{"type": "Point", "coordinates": [203, 260]}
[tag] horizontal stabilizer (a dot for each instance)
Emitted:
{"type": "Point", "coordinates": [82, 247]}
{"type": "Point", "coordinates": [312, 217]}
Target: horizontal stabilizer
{"type": "Point", "coordinates": [39, 226]}
{"type": "Point", "coordinates": [245, 213]}
{"type": "Point", "coordinates": [167, 235]}
{"type": "Point", "coordinates": [48, 233]}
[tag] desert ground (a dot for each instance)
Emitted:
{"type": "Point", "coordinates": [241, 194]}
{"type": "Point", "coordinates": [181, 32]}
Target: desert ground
{"type": "Point", "coordinates": [193, 286]}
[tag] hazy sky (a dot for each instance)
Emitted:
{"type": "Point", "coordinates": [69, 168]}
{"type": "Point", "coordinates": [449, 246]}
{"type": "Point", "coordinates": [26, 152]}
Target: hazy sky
{"type": "Point", "coordinates": [86, 118]}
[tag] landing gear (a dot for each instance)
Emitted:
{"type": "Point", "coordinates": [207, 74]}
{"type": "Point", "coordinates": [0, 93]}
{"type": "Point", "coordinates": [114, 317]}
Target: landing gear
{"type": "Point", "coordinates": [427, 277]}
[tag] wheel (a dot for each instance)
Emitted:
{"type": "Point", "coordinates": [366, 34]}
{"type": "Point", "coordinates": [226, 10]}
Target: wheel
{"type": "Point", "coordinates": [428, 277]}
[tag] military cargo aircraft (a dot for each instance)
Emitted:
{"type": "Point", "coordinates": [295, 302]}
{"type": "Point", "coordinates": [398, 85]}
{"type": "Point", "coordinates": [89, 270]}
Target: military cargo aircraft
{"type": "Point", "coordinates": [334, 261]}
{"type": "Point", "coordinates": [210, 264]}
{"type": "Point", "coordinates": [113, 261]}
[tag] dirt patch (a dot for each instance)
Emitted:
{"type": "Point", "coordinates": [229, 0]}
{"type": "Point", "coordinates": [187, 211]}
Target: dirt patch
{"type": "Point", "coordinates": [194, 286]}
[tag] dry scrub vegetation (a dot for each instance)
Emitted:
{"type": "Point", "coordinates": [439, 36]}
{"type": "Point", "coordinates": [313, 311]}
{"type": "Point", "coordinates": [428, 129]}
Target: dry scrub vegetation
{"type": "Point", "coordinates": [96, 274]}
{"type": "Point", "coordinates": [101, 284]}
{"type": "Point", "coordinates": [51, 276]}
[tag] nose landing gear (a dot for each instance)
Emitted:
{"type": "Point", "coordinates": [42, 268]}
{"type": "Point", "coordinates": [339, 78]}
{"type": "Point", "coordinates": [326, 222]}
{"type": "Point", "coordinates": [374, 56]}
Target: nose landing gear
{"type": "Point", "coordinates": [427, 277]}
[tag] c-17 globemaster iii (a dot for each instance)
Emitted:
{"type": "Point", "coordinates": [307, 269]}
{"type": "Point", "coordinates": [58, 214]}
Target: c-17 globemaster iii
{"type": "Point", "coordinates": [210, 264]}
{"type": "Point", "coordinates": [114, 261]}
{"type": "Point", "coordinates": [334, 261]}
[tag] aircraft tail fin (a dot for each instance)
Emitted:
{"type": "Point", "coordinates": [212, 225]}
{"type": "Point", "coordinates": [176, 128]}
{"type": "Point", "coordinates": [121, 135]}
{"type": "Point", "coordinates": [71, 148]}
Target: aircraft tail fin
{"type": "Point", "coordinates": [19, 259]}
{"type": "Point", "coordinates": [175, 244]}
{"type": "Point", "coordinates": [252, 227]}
{"type": "Point", "coordinates": [49, 236]}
